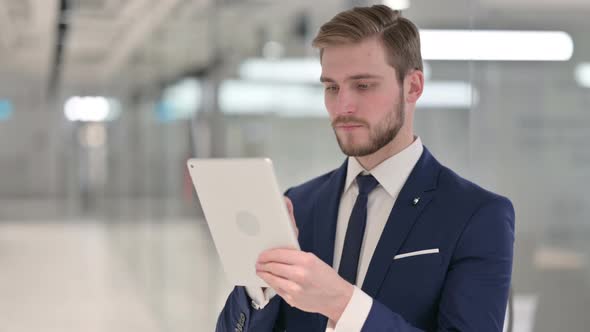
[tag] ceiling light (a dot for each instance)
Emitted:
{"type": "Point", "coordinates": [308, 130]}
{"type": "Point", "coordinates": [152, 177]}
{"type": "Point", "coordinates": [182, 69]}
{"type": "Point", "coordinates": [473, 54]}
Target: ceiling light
{"type": "Point", "coordinates": [496, 45]}
{"type": "Point", "coordinates": [582, 74]}
{"type": "Point", "coordinates": [397, 4]}
{"type": "Point", "coordinates": [87, 109]}
{"type": "Point", "coordinates": [239, 96]}
{"type": "Point", "coordinates": [296, 70]}
{"type": "Point", "coordinates": [448, 94]}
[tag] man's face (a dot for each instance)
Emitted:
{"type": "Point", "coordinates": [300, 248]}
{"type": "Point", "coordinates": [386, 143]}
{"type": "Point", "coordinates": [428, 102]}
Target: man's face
{"type": "Point", "coordinates": [362, 95]}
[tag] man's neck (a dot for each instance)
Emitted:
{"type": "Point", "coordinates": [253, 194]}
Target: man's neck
{"type": "Point", "coordinates": [394, 147]}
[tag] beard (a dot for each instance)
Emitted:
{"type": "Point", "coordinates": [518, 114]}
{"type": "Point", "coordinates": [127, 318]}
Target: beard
{"type": "Point", "coordinates": [380, 135]}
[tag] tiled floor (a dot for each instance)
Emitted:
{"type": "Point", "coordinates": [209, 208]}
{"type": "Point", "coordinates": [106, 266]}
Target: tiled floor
{"type": "Point", "coordinates": [78, 277]}
{"type": "Point", "coordinates": [142, 276]}
{"type": "Point", "coordinates": [64, 278]}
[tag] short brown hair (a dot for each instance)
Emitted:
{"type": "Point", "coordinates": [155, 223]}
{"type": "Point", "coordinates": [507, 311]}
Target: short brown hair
{"type": "Point", "coordinates": [398, 34]}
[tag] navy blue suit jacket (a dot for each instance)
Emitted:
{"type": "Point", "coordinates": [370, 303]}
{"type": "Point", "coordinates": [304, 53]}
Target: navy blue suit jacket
{"type": "Point", "coordinates": [463, 288]}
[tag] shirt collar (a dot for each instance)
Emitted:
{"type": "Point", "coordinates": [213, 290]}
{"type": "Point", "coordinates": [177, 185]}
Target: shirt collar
{"type": "Point", "coordinates": [392, 173]}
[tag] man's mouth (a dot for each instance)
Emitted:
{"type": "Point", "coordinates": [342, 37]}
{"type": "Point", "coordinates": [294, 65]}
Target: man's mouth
{"type": "Point", "coordinates": [348, 126]}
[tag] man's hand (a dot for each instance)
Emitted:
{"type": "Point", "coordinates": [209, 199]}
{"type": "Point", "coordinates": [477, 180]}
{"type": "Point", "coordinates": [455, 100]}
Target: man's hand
{"type": "Point", "coordinates": [304, 281]}
{"type": "Point", "coordinates": [292, 215]}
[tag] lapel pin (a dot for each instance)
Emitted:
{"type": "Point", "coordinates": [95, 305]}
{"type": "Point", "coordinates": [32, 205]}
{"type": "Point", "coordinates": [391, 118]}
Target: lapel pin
{"type": "Point", "coordinates": [416, 201]}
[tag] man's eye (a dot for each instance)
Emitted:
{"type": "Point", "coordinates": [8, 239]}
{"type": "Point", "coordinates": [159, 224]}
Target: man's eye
{"type": "Point", "coordinates": [363, 86]}
{"type": "Point", "coordinates": [331, 88]}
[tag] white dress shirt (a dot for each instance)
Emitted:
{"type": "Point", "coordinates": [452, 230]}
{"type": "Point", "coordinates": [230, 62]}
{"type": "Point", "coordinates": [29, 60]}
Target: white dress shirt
{"type": "Point", "coordinates": [391, 174]}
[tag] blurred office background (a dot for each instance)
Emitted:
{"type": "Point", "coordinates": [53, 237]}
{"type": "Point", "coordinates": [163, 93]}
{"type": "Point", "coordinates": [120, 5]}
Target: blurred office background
{"type": "Point", "coordinates": [103, 101]}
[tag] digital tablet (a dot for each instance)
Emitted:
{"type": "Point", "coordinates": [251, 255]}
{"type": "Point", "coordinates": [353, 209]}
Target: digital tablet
{"type": "Point", "coordinates": [245, 211]}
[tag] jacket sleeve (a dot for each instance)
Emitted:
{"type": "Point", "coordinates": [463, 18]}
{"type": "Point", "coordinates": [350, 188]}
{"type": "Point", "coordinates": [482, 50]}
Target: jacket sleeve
{"type": "Point", "coordinates": [475, 292]}
{"type": "Point", "coordinates": [239, 315]}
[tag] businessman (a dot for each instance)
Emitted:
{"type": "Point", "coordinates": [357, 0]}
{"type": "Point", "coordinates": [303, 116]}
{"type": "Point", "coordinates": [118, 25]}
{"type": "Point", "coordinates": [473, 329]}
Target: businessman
{"type": "Point", "coordinates": [391, 240]}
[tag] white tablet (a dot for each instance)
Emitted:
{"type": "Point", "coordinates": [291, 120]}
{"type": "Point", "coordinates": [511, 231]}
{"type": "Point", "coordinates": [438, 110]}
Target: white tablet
{"type": "Point", "coordinates": [245, 211]}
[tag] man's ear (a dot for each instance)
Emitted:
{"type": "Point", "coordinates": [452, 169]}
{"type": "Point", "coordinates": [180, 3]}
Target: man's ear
{"type": "Point", "coordinates": [414, 85]}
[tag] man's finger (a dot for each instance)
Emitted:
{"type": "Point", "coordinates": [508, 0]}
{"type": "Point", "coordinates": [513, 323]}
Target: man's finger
{"type": "Point", "coordinates": [289, 272]}
{"type": "Point", "coordinates": [289, 205]}
{"type": "Point", "coordinates": [280, 285]}
{"type": "Point", "coordinates": [291, 214]}
{"type": "Point", "coordinates": [285, 256]}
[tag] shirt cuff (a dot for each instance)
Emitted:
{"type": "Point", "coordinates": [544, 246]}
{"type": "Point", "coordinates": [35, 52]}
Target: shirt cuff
{"type": "Point", "coordinates": [355, 314]}
{"type": "Point", "coordinates": [259, 297]}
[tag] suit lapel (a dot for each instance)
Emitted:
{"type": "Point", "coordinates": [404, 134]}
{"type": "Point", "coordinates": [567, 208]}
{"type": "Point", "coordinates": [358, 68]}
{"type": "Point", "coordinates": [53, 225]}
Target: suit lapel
{"type": "Point", "coordinates": [421, 183]}
{"type": "Point", "coordinates": [326, 214]}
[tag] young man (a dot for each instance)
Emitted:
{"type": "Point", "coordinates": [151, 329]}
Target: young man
{"type": "Point", "coordinates": [392, 240]}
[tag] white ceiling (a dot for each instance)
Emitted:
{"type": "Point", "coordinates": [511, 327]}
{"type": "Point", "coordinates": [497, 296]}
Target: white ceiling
{"type": "Point", "coordinates": [538, 4]}
{"type": "Point", "coordinates": [115, 45]}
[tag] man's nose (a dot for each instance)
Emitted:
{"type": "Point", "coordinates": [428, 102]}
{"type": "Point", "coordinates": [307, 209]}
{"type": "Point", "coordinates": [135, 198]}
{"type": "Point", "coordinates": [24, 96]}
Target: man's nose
{"type": "Point", "coordinates": [346, 103]}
